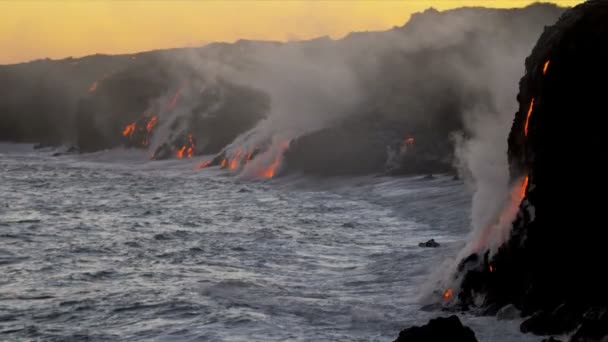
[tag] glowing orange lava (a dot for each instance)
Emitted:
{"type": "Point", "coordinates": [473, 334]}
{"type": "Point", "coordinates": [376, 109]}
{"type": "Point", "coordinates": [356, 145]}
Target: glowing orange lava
{"type": "Point", "coordinates": [234, 162]}
{"type": "Point", "coordinates": [180, 152]}
{"type": "Point", "coordinates": [224, 162]}
{"type": "Point", "coordinates": [153, 121]}
{"type": "Point", "coordinates": [491, 269]}
{"type": "Point", "coordinates": [129, 129]}
{"type": "Point", "coordinates": [93, 87]}
{"type": "Point", "coordinates": [528, 117]}
{"type": "Point", "coordinates": [524, 187]}
{"type": "Point", "coordinates": [191, 147]}
{"type": "Point", "coordinates": [248, 158]}
{"type": "Point", "coordinates": [546, 67]}
{"type": "Point", "coordinates": [447, 294]}
{"type": "Point", "coordinates": [270, 171]}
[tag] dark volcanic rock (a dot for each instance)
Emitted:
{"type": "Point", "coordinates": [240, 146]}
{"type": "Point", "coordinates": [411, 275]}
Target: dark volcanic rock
{"type": "Point", "coordinates": [593, 328]}
{"type": "Point", "coordinates": [553, 262]}
{"type": "Point", "coordinates": [429, 244]}
{"type": "Point", "coordinates": [560, 321]}
{"type": "Point", "coordinates": [439, 330]}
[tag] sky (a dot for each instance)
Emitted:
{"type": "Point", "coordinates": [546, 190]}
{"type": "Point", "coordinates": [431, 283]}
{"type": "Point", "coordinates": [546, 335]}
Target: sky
{"type": "Point", "coordinates": [32, 29]}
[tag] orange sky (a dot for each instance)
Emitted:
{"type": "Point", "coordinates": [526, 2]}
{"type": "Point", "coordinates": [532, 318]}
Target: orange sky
{"type": "Point", "coordinates": [31, 29]}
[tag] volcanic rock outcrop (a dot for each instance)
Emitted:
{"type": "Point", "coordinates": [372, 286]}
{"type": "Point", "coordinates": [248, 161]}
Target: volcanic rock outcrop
{"type": "Point", "coordinates": [553, 265]}
{"type": "Point", "coordinates": [438, 329]}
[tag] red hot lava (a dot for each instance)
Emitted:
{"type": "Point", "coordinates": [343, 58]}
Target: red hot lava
{"type": "Point", "coordinates": [129, 129]}
{"type": "Point", "coordinates": [528, 117]}
{"type": "Point", "coordinates": [448, 294]}
{"type": "Point", "coordinates": [271, 170]}
{"type": "Point", "coordinates": [546, 67]}
{"type": "Point", "coordinates": [186, 151]}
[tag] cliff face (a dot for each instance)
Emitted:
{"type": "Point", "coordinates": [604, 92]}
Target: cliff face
{"type": "Point", "coordinates": [351, 105]}
{"type": "Point", "coordinates": [555, 259]}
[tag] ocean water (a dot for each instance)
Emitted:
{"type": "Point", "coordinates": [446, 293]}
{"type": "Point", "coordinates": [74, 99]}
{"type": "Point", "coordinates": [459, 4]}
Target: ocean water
{"type": "Point", "coordinates": [111, 246]}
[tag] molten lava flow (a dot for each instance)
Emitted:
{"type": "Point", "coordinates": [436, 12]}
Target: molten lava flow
{"type": "Point", "coordinates": [528, 117]}
{"type": "Point", "coordinates": [498, 231]}
{"type": "Point", "coordinates": [153, 121]}
{"type": "Point", "coordinates": [129, 129]}
{"type": "Point", "coordinates": [180, 152]}
{"type": "Point", "coordinates": [248, 158]}
{"type": "Point", "coordinates": [447, 294]}
{"type": "Point", "coordinates": [191, 147]}
{"type": "Point", "coordinates": [203, 165]}
{"type": "Point", "coordinates": [491, 269]}
{"type": "Point", "coordinates": [524, 187]}
{"type": "Point", "coordinates": [186, 150]}
{"type": "Point", "coordinates": [93, 87]}
{"type": "Point", "coordinates": [224, 162]}
{"type": "Point", "coordinates": [234, 162]}
{"type": "Point", "coordinates": [270, 171]}
{"type": "Point", "coordinates": [546, 67]}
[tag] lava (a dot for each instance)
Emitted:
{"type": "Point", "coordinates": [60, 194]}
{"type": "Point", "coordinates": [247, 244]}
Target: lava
{"type": "Point", "coordinates": [491, 269]}
{"type": "Point", "coordinates": [224, 162]}
{"type": "Point", "coordinates": [248, 158]}
{"type": "Point", "coordinates": [180, 152]}
{"type": "Point", "coordinates": [129, 129]}
{"type": "Point", "coordinates": [234, 162]}
{"type": "Point", "coordinates": [448, 294]}
{"type": "Point", "coordinates": [546, 67]}
{"type": "Point", "coordinates": [186, 150]}
{"type": "Point", "coordinates": [270, 170]}
{"type": "Point", "coordinates": [190, 150]}
{"type": "Point", "coordinates": [524, 187]}
{"type": "Point", "coordinates": [528, 117]}
{"type": "Point", "coordinates": [93, 87]}
{"type": "Point", "coordinates": [153, 121]}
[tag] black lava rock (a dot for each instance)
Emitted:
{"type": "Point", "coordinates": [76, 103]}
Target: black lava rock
{"type": "Point", "coordinates": [439, 330]}
{"type": "Point", "coordinates": [429, 244]}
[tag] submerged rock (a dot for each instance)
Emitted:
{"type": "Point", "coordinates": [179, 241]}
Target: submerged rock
{"type": "Point", "coordinates": [429, 244]}
{"type": "Point", "coordinates": [438, 329]}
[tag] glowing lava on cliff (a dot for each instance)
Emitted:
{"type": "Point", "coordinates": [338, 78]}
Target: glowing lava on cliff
{"type": "Point", "coordinates": [186, 151]}
{"type": "Point", "coordinates": [528, 117]}
{"type": "Point", "coordinates": [546, 67]}
{"type": "Point", "coordinates": [129, 129]}
{"type": "Point", "coordinates": [234, 162]}
{"type": "Point", "coordinates": [271, 170]}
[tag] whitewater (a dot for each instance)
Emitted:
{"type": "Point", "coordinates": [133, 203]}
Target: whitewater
{"type": "Point", "coordinates": [112, 246]}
